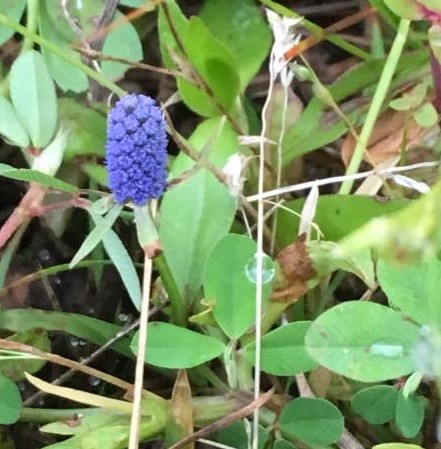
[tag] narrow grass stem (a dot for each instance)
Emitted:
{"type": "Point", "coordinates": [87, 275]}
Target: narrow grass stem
{"type": "Point", "coordinates": [32, 36]}
{"type": "Point", "coordinates": [377, 102]}
{"type": "Point", "coordinates": [140, 358]}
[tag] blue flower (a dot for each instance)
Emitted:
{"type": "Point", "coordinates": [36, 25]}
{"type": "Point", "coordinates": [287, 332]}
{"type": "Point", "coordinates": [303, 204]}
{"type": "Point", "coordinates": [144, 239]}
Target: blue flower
{"type": "Point", "coordinates": [136, 155]}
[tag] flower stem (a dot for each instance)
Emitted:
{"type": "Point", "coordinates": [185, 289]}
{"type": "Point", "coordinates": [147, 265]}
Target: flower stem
{"type": "Point", "coordinates": [377, 102]}
{"type": "Point", "coordinates": [178, 310]}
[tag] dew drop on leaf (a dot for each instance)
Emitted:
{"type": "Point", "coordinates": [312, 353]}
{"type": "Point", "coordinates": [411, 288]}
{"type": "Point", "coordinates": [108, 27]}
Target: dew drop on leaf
{"type": "Point", "coordinates": [387, 350]}
{"type": "Point", "coordinates": [269, 269]}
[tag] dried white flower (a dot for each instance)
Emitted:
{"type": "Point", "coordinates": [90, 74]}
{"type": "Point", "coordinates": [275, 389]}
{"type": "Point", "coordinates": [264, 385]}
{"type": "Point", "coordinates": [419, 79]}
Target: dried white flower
{"type": "Point", "coordinates": [233, 170]}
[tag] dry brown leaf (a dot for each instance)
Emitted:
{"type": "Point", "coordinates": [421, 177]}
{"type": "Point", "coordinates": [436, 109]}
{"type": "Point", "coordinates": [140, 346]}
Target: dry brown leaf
{"type": "Point", "coordinates": [296, 268]}
{"type": "Point", "coordinates": [392, 130]}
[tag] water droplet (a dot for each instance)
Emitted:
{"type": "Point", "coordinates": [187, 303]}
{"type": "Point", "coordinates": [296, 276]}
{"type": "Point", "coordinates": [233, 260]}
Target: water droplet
{"type": "Point", "coordinates": [94, 381]}
{"type": "Point", "coordinates": [387, 350]}
{"type": "Point", "coordinates": [269, 269]}
{"type": "Point", "coordinates": [123, 318]}
{"type": "Point", "coordinates": [74, 341]}
{"type": "Point", "coordinates": [44, 255]}
{"type": "Point", "coordinates": [56, 280]}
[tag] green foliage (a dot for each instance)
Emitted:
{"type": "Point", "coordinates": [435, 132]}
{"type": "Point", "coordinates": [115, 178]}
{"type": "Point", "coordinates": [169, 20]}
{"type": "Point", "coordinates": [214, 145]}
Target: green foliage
{"type": "Point", "coordinates": [10, 405]}
{"type": "Point", "coordinates": [283, 350]}
{"type": "Point", "coordinates": [409, 414]}
{"type": "Point", "coordinates": [376, 404]}
{"type": "Point", "coordinates": [364, 341]}
{"type": "Point", "coordinates": [33, 97]}
{"type": "Point", "coordinates": [316, 422]}
{"type": "Point", "coordinates": [170, 346]}
{"type": "Point", "coordinates": [10, 126]}
{"type": "Point", "coordinates": [227, 283]}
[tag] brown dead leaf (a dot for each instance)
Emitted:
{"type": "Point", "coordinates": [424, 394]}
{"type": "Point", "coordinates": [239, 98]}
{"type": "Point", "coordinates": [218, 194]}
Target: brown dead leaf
{"type": "Point", "coordinates": [392, 130]}
{"type": "Point", "coordinates": [296, 268]}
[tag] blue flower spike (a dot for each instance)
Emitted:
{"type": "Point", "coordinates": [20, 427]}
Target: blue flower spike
{"type": "Point", "coordinates": [136, 159]}
{"type": "Point", "coordinates": [136, 150]}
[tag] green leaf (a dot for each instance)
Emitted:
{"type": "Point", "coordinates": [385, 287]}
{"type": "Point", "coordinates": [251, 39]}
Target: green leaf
{"type": "Point", "coordinates": [406, 9]}
{"type": "Point", "coordinates": [396, 446]}
{"type": "Point", "coordinates": [376, 404]}
{"type": "Point", "coordinates": [123, 42]}
{"type": "Point", "coordinates": [25, 174]}
{"type": "Point", "coordinates": [237, 436]}
{"type": "Point", "coordinates": [414, 289]}
{"type": "Point", "coordinates": [226, 282]}
{"type": "Point", "coordinates": [84, 327]}
{"type": "Point", "coordinates": [283, 350]}
{"type": "Point", "coordinates": [364, 341]}
{"type": "Point", "coordinates": [13, 9]}
{"type": "Point", "coordinates": [10, 126]}
{"type": "Point", "coordinates": [241, 27]}
{"type": "Point", "coordinates": [412, 383]}
{"type": "Point", "coordinates": [174, 347]}
{"type": "Point", "coordinates": [195, 215]}
{"type": "Point", "coordinates": [316, 422]}
{"type": "Point", "coordinates": [14, 369]}
{"type": "Point", "coordinates": [10, 404]}
{"type": "Point", "coordinates": [336, 215]}
{"type": "Point", "coordinates": [33, 96]}
{"type": "Point", "coordinates": [215, 64]}
{"type": "Point", "coordinates": [68, 77]}
{"type": "Point", "coordinates": [426, 116]}
{"type": "Point", "coordinates": [97, 234]}
{"type": "Point", "coordinates": [409, 414]}
{"type": "Point", "coordinates": [124, 265]}
{"type": "Point", "coordinates": [87, 129]}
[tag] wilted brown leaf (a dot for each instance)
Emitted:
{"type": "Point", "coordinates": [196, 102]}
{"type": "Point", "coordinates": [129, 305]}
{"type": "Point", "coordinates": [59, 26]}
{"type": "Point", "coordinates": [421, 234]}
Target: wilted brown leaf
{"type": "Point", "coordinates": [392, 130]}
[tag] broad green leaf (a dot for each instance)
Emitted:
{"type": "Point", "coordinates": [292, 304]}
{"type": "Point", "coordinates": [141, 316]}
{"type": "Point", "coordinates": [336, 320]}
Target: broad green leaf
{"type": "Point", "coordinates": [67, 76]}
{"type": "Point", "coordinates": [226, 281]}
{"type": "Point", "coordinates": [409, 235]}
{"type": "Point", "coordinates": [81, 326]}
{"type": "Point", "coordinates": [414, 289]}
{"type": "Point", "coordinates": [283, 350]}
{"type": "Point", "coordinates": [14, 369]}
{"type": "Point", "coordinates": [241, 27]}
{"type": "Point", "coordinates": [406, 9]}
{"type": "Point", "coordinates": [364, 341]}
{"type": "Point", "coordinates": [97, 234]}
{"type": "Point", "coordinates": [123, 41]}
{"type": "Point", "coordinates": [409, 414]}
{"type": "Point", "coordinates": [336, 215]}
{"type": "Point", "coordinates": [195, 215]}
{"type": "Point", "coordinates": [10, 404]}
{"type": "Point", "coordinates": [237, 437]}
{"type": "Point", "coordinates": [426, 116]}
{"type": "Point", "coordinates": [376, 404]}
{"type": "Point", "coordinates": [10, 126]}
{"type": "Point", "coordinates": [13, 9]}
{"type": "Point", "coordinates": [124, 264]}
{"type": "Point", "coordinates": [216, 66]}
{"type": "Point", "coordinates": [25, 174]}
{"type": "Point", "coordinates": [412, 383]}
{"type": "Point", "coordinates": [174, 347]}
{"type": "Point", "coordinates": [87, 129]}
{"type": "Point", "coordinates": [170, 48]}
{"type": "Point", "coordinates": [314, 421]}
{"type": "Point", "coordinates": [33, 97]}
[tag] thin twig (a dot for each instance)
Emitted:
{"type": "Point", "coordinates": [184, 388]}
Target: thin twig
{"type": "Point", "coordinates": [69, 373]}
{"type": "Point", "coordinates": [338, 179]}
{"type": "Point", "coordinates": [226, 420]}
{"type": "Point", "coordinates": [140, 357]}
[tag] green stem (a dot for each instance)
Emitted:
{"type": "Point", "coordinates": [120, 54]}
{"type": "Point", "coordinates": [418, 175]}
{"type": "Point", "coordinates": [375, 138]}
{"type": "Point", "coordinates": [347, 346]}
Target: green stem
{"type": "Point", "coordinates": [46, 415]}
{"type": "Point", "coordinates": [377, 101]}
{"type": "Point", "coordinates": [4, 20]}
{"type": "Point", "coordinates": [313, 28]}
{"type": "Point", "coordinates": [31, 23]}
{"type": "Point", "coordinates": [178, 309]}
